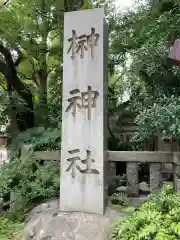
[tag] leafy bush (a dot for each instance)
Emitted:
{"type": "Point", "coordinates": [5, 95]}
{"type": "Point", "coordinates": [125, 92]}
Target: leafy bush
{"type": "Point", "coordinates": [118, 198]}
{"type": "Point", "coordinates": [162, 114]}
{"type": "Point", "coordinates": [30, 181]}
{"type": "Point", "coordinates": [42, 139]}
{"type": "Point", "coordinates": [157, 219]}
{"type": "Point", "coordinates": [9, 229]}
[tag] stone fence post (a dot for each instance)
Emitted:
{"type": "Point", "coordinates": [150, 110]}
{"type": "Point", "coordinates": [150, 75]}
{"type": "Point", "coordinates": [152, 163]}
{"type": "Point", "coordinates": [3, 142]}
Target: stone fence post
{"type": "Point", "coordinates": [176, 171]}
{"type": "Point", "coordinates": [155, 177]}
{"type": "Point", "coordinates": [111, 176]}
{"type": "Point", "coordinates": [132, 175]}
{"type": "Point", "coordinates": [26, 148]}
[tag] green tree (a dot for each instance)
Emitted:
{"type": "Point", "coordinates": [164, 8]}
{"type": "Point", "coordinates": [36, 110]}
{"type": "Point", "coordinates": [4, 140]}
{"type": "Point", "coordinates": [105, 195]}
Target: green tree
{"type": "Point", "coordinates": [141, 42]}
{"type": "Point", "coordinates": [31, 55]}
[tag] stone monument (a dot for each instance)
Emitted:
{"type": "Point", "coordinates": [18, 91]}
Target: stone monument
{"type": "Point", "coordinates": [83, 186]}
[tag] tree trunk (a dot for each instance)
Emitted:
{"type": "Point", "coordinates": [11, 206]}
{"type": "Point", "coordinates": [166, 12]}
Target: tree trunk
{"type": "Point", "coordinates": [43, 85]}
{"type": "Point", "coordinates": [25, 118]}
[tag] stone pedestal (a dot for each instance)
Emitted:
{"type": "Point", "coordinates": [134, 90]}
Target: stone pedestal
{"type": "Point", "coordinates": [45, 222]}
{"type": "Point", "coordinates": [84, 141]}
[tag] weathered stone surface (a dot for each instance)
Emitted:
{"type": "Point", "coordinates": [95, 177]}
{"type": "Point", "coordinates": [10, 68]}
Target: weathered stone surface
{"type": "Point", "coordinates": [155, 177]}
{"type": "Point", "coordinates": [121, 189]}
{"type": "Point", "coordinates": [135, 202]}
{"type": "Point", "coordinates": [178, 185]}
{"type": "Point", "coordinates": [3, 155]}
{"type": "Point", "coordinates": [84, 140]}
{"type": "Point", "coordinates": [174, 56]}
{"type": "Point", "coordinates": [144, 187]}
{"type": "Point", "coordinates": [32, 233]}
{"type": "Point", "coordinates": [111, 181]}
{"type": "Point", "coordinates": [69, 226]}
{"type": "Point", "coordinates": [132, 179]}
{"type": "Point", "coordinates": [167, 168]}
{"type": "Point", "coordinates": [176, 169]}
{"type": "Point", "coordinates": [26, 148]}
{"type": "Point", "coordinates": [13, 199]}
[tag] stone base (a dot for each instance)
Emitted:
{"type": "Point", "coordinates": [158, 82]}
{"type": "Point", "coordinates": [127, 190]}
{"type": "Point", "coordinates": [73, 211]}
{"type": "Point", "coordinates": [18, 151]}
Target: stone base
{"type": "Point", "coordinates": [46, 222]}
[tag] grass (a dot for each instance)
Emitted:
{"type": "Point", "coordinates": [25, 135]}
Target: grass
{"type": "Point", "coordinates": [10, 230]}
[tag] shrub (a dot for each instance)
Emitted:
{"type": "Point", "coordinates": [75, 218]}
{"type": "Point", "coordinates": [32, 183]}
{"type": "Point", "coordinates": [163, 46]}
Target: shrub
{"type": "Point", "coordinates": [31, 181]}
{"type": "Point", "coordinates": [119, 198]}
{"type": "Point", "coordinates": [157, 219]}
{"type": "Point", "coordinates": [10, 229]}
{"type": "Point", "coordinates": [40, 137]}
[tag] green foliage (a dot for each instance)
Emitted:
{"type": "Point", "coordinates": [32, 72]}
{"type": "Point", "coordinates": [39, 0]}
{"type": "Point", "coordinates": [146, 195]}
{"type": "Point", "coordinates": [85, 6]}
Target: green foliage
{"type": "Point", "coordinates": [157, 219]}
{"type": "Point", "coordinates": [161, 116]}
{"type": "Point", "coordinates": [140, 44]}
{"type": "Point", "coordinates": [87, 5]}
{"type": "Point", "coordinates": [10, 229]}
{"type": "Point", "coordinates": [33, 32]}
{"type": "Point", "coordinates": [118, 198]}
{"type": "Point", "coordinates": [40, 137]}
{"type": "Point", "coordinates": [31, 181]}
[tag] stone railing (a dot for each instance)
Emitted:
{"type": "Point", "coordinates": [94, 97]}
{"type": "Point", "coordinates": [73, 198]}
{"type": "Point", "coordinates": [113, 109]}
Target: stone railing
{"type": "Point", "coordinates": [132, 160]}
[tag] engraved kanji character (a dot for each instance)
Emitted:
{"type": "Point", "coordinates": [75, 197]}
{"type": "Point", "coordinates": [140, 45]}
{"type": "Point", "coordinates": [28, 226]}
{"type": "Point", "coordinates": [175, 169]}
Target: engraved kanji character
{"type": "Point", "coordinates": [80, 44]}
{"type": "Point", "coordinates": [88, 161]}
{"type": "Point", "coordinates": [74, 102]}
{"type": "Point", "coordinates": [77, 44]}
{"type": "Point", "coordinates": [73, 166]}
{"type": "Point", "coordinates": [73, 45]}
{"type": "Point", "coordinates": [86, 100]}
{"type": "Point", "coordinates": [89, 100]}
{"type": "Point", "coordinates": [92, 40]}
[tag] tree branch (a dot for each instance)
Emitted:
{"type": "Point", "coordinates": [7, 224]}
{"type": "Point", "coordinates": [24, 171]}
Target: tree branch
{"type": "Point", "coordinates": [24, 119]}
{"type": "Point", "coordinates": [33, 74]}
{"type": "Point", "coordinates": [51, 70]}
{"type": "Point", "coordinates": [9, 71]}
{"type": "Point", "coordinates": [43, 14]}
